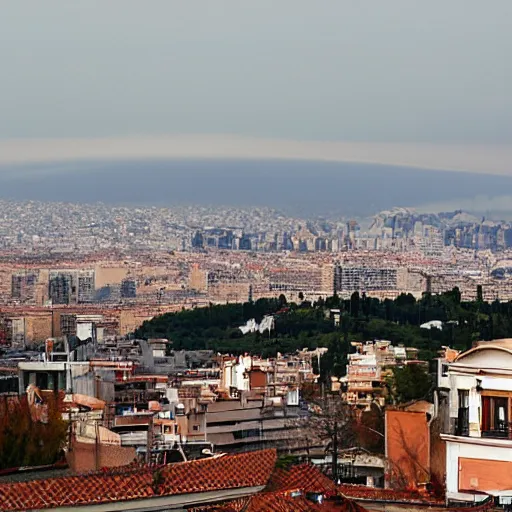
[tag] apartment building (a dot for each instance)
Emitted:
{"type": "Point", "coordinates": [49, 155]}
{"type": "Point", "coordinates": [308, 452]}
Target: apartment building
{"type": "Point", "coordinates": [478, 437]}
{"type": "Point", "coordinates": [311, 280]}
{"type": "Point", "coordinates": [64, 366]}
{"type": "Point", "coordinates": [71, 286]}
{"type": "Point", "coordinates": [369, 367]}
{"type": "Point", "coordinates": [23, 287]}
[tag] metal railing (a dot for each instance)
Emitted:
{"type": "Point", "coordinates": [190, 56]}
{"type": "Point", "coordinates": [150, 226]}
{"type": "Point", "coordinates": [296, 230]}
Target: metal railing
{"type": "Point", "coordinates": [462, 424]}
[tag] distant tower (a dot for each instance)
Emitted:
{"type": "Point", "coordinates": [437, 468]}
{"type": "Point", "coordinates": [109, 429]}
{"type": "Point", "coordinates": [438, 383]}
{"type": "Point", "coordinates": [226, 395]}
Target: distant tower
{"type": "Point", "coordinates": [128, 288]}
{"type": "Point", "coordinates": [60, 288]}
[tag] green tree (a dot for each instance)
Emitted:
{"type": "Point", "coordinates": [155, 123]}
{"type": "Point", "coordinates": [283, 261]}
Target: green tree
{"type": "Point", "coordinates": [479, 293]}
{"type": "Point", "coordinates": [355, 304]}
{"type": "Point", "coordinates": [410, 382]}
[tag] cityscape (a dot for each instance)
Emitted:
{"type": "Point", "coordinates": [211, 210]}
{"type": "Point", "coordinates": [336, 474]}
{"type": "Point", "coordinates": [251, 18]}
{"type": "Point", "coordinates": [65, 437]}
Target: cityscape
{"type": "Point", "coordinates": [93, 323]}
{"type": "Point", "coordinates": [255, 257]}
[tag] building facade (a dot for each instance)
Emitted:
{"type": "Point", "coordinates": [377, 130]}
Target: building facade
{"type": "Point", "coordinates": [479, 434]}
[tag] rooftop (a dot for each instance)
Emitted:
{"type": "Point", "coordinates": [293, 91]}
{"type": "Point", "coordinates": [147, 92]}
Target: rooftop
{"type": "Point", "coordinates": [218, 473]}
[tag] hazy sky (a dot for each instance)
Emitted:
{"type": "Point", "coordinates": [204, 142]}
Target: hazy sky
{"type": "Point", "coordinates": [399, 71]}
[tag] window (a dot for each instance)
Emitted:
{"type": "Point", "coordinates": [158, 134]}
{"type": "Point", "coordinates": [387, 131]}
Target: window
{"type": "Point", "coordinates": [196, 428]}
{"type": "Point", "coordinates": [463, 398]}
{"type": "Point", "coordinates": [462, 426]}
{"type": "Point", "coordinates": [244, 434]}
{"type": "Point", "coordinates": [444, 370]}
{"type": "Point", "coordinates": [495, 416]}
{"type": "Point", "coordinates": [42, 380]}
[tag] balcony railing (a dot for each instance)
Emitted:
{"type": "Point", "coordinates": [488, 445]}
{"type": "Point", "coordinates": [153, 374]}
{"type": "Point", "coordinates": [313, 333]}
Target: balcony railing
{"type": "Point", "coordinates": [462, 424]}
{"type": "Point", "coordinates": [503, 430]}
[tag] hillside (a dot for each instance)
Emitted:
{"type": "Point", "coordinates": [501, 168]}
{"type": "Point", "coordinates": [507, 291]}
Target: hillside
{"type": "Point", "coordinates": [309, 325]}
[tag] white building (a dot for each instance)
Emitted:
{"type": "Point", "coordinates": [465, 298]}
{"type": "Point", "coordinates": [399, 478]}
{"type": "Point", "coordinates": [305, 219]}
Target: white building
{"type": "Point", "coordinates": [479, 440]}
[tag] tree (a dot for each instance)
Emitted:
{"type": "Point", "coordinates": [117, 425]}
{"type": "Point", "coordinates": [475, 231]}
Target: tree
{"type": "Point", "coordinates": [366, 305]}
{"type": "Point", "coordinates": [370, 429]}
{"type": "Point", "coordinates": [479, 293]}
{"type": "Point", "coordinates": [354, 304]}
{"type": "Point", "coordinates": [330, 423]}
{"type": "Point", "coordinates": [25, 442]}
{"type": "Point", "coordinates": [282, 300]}
{"type": "Point", "coordinates": [320, 303]}
{"type": "Point", "coordinates": [297, 327]}
{"type": "Point", "coordinates": [410, 382]}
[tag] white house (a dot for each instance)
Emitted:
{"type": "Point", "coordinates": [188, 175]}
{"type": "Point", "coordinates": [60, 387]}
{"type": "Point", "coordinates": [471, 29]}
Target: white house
{"type": "Point", "coordinates": [479, 440]}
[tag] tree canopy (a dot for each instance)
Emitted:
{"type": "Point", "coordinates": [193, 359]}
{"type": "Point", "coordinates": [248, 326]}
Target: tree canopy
{"type": "Point", "coordinates": [24, 442]}
{"type": "Point", "coordinates": [309, 325]}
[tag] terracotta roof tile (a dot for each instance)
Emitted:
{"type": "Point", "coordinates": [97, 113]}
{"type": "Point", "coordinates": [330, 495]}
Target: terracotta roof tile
{"type": "Point", "coordinates": [287, 492]}
{"type": "Point", "coordinates": [305, 477]}
{"type": "Point", "coordinates": [285, 502]}
{"type": "Point", "coordinates": [245, 470]}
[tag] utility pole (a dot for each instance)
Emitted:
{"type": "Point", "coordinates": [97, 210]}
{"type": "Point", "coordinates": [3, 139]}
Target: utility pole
{"type": "Point", "coordinates": [335, 452]}
{"type": "Point", "coordinates": [149, 444]}
{"type": "Point", "coordinates": [96, 444]}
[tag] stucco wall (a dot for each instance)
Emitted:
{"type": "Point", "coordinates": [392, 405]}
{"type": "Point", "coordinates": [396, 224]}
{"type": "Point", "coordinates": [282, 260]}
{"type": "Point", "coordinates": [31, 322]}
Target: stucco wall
{"type": "Point", "coordinates": [88, 457]}
{"type": "Point", "coordinates": [456, 451]}
{"type": "Point", "coordinates": [488, 358]}
{"type": "Point", "coordinates": [407, 448]}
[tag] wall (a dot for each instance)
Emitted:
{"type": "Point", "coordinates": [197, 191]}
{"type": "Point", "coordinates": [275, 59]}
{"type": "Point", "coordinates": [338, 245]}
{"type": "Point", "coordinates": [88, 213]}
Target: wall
{"type": "Point", "coordinates": [38, 328]}
{"type": "Point", "coordinates": [257, 379]}
{"type": "Point", "coordinates": [482, 474]}
{"type": "Point", "coordinates": [488, 450]}
{"type": "Point", "coordinates": [488, 358]}
{"type": "Point", "coordinates": [109, 275]}
{"type": "Point", "coordinates": [130, 320]}
{"type": "Point", "coordinates": [407, 449]}
{"type": "Point", "coordinates": [86, 457]}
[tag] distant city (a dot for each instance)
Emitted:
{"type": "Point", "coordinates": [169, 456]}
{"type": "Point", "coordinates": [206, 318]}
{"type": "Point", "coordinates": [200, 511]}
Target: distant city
{"type": "Point", "coordinates": [61, 260]}
{"type": "Point", "coordinates": [32, 227]}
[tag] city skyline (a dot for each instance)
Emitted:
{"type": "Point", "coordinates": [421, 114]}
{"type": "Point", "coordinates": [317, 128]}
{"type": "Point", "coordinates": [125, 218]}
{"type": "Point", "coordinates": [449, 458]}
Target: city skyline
{"type": "Point", "coordinates": [255, 255]}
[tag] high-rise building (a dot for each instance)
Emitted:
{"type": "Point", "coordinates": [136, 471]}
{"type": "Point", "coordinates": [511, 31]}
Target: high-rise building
{"type": "Point", "coordinates": [23, 285]}
{"type": "Point", "coordinates": [85, 291]}
{"type": "Point", "coordinates": [61, 288]}
{"type": "Point", "coordinates": [71, 286]}
{"type": "Point", "coordinates": [128, 289]}
{"type": "Point", "coordinates": [350, 279]}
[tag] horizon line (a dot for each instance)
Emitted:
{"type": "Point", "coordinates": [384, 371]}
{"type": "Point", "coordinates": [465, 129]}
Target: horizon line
{"type": "Point", "coordinates": [491, 159]}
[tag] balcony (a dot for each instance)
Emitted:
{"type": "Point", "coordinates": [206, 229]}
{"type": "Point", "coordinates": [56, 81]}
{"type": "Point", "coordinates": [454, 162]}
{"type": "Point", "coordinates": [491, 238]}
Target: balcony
{"type": "Point", "coordinates": [502, 430]}
{"type": "Point", "coordinates": [462, 424]}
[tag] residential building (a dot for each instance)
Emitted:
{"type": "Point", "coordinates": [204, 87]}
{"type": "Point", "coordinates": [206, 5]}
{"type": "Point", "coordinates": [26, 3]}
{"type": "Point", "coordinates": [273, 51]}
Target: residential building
{"type": "Point", "coordinates": [368, 369]}
{"type": "Point", "coordinates": [478, 437]}
{"type": "Point", "coordinates": [64, 366]}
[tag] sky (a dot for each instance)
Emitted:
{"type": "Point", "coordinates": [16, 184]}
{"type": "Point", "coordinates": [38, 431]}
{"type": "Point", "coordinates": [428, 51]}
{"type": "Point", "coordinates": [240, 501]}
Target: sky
{"type": "Point", "coordinates": [414, 77]}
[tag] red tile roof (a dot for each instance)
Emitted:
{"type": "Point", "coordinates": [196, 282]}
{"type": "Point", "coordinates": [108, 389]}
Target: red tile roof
{"type": "Point", "coordinates": [268, 502]}
{"type": "Point", "coordinates": [287, 492]}
{"type": "Point", "coordinates": [228, 472]}
{"type": "Point", "coordinates": [284, 502]}
{"type": "Point", "coordinates": [305, 477]}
